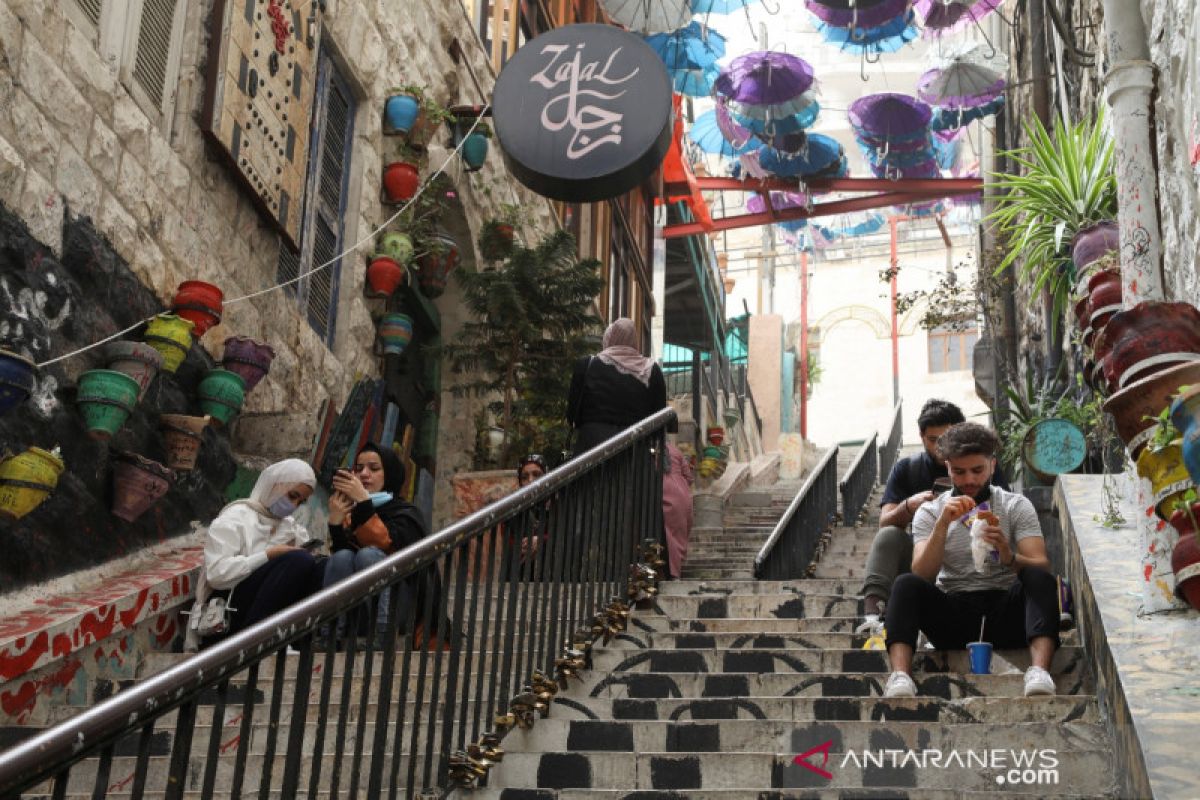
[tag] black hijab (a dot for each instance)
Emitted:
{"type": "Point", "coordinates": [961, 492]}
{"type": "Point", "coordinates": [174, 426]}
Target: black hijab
{"type": "Point", "coordinates": [405, 522]}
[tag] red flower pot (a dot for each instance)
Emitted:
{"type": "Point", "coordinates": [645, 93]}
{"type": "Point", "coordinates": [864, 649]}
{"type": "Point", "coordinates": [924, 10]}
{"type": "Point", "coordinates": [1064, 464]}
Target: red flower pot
{"type": "Point", "coordinates": [1185, 561]}
{"type": "Point", "coordinates": [1147, 398]}
{"type": "Point", "coordinates": [1094, 241]}
{"type": "Point", "coordinates": [384, 276]}
{"type": "Point", "coordinates": [437, 264]}
{"type": "Point", "coordinates": [1082, 316]}
{"type": "Point", "coordinates": [400, 182]}
{"type": "Point", "coordinates": [1148, 338]}
{"type": "Point", "coordinates": [499, 245]}
{"type": "Point", "coordinates": [1104, 290]}
{"type": "Point", "coordinates": [199, 302]}
{"type": "Point", "coordinates": [138, 483]}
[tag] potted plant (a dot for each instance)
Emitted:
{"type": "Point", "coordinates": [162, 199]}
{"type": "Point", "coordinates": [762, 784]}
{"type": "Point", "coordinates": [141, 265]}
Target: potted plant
{"type": "Point", "coordinates": [1066, 187]}
{"type": "Point", "coordinates": [497, 235]}
{"type": "Point", "coordinates": [402, 177]}
{"type": "Point", "coordinates": [421, 125]}
{"type": "Point", "coordinates": [529, 320]}
{"type": "Point", "coordinates": [471, 135]}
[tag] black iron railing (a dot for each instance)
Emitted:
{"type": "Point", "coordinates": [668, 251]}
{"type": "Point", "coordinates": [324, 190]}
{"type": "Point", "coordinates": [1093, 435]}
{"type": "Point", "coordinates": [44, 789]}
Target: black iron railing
{"type": "Point", "coordinates": [790, 548]}
{"type": "Point", "coordinates": [890, 448]}
{"type": "Point", "coordinates": [271, 711]}
{"type": "Point", "coordinates": [860, 480]}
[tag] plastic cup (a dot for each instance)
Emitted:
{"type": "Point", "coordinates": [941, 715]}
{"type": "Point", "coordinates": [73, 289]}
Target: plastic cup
{"type": "Point", "coordinates": [981, 657]}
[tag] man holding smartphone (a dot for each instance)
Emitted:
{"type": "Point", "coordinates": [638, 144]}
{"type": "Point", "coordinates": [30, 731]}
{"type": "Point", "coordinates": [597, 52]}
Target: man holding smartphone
{"type": "Point", "coordinates": [912, 483]}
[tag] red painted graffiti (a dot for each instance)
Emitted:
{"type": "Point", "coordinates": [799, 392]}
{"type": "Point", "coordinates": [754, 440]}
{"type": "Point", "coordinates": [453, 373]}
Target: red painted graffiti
{"type": "Point", "coordinates": [17, 663]}
{"type": "Point", "coordinates": [20, 704]}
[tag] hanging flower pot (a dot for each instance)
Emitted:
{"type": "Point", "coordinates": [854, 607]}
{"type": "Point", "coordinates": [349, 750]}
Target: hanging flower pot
{"type": "Point", "coordinates": [1094, 241]}
{"type": "Point", "coordinates": [496, 240]}
{"type": "Point", "coordinates": [1082, 317]}
{"type": "Point", "coordinates": [384, 276]}
{"type": "Point", "coordinates": [395, 333]}
{"type": "Point", "coordinates": [396, 246]}
{"type": "Point", "coordinates": [715, 435]}
{"type": "Point", "coordinates": [199, 302]}
{"type": "Point", "coordinates": [182, 437]}
{"type": "Point", "coordinates": [1146, 398]}
{"type": "Point", "coordinates": [171, 336]}
{"type": "Point", "coordinates": [138, 483]}
{"type": "Point", "coordinates": [221, 395]}
{"type": "Point", "coordinates": [1185, 562]}
{"type": "Point", "coordinates": [400, 182]}
{"type": "Point", "coordinates": [1167, 474]}
{"type": "Point", "coordinates": [400, 114]}
{"type": "Point", "coordinates": [107, 398]}
{"type": "Point", "coordinates": [1185, 416]}
{"type": "Point", "coordinates": [474, 151]}
{"type": "Point", "coordinates": [27, 480]}
{"type": "Point", "coordinates": [1148, 338]}
{"type": "Point", "coordinates": [1104, 292]}
{"type": "Point", "coordinates": [249, 358]}
{"type": "Point", "coordinates": [139, 360]}
{"type": "Point", "coordinates": [16, 380]}
{"type": "Point", "coordinates": [440, 259]}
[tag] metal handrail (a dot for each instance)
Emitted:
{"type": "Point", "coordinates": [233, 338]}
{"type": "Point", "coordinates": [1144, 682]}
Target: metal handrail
{"type": "Point", "coordinates": [860, 480]}
{"type": "Point", "coordinates": [605, 501]}
{"type": "Point", "coordinates": [789, 549]}
{"type": "Point", "coordinates": [891, 443]}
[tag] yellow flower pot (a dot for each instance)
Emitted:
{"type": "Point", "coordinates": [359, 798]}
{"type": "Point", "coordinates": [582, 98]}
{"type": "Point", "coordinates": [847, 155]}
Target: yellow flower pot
{"type": "Point", "coordinates": [26, 480]}
{"type": "Point", "coordinates": [172, 336]}
{"type": "Point", "coordinates": [1167, 474]}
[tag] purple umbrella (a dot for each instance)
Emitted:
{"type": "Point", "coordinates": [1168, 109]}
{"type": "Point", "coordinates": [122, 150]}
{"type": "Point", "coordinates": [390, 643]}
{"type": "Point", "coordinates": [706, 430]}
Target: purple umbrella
{"type": "Point", "coordinates": [766, 85]}
{"type": "Point", "coordinates": [858, 15]}
{"type": "Point", "coordinates": [944, 16]}
{"type": "Point", "coordinates": [889, 114]}
{"type": "Point", "coordinates": [779, 201]}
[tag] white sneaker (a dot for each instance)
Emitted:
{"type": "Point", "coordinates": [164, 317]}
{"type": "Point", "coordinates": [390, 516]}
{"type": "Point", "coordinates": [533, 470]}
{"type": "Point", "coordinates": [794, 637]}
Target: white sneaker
{"type": "Point", "coordinates": [1038, 682]}
{"type": "Point", "coordinates": [871, 625]}
{"type": "Point", "coordinates": [899, 684]}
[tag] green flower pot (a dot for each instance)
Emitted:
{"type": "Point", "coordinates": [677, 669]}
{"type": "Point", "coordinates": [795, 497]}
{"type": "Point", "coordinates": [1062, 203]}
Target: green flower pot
{"type": "Point", "coordinates": [221, 395]}
{"type": "Point", "coordinates": [107, 398]}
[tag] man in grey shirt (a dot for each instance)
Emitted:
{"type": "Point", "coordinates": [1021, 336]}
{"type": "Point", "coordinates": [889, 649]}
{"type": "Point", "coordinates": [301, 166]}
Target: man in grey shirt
{"type": "Point", "coordinates": [947, 598]}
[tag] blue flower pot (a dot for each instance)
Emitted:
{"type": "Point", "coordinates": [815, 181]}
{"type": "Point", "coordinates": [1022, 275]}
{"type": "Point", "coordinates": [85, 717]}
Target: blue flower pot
{"type": "Point", "coordinates": [474, 152]}
{"type": "Point", "coordinates": [1185, 415]}
{"type": "Point", "coordinates": [400, 112]}
{"type": "Point", "coordinates": [16, 380]}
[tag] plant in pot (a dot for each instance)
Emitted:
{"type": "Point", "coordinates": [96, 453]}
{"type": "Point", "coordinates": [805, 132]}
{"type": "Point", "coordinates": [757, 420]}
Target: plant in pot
{"type": "Point", "coordinates": [498, 234]}
{"type": "Point", "coordinates": [402, 176]}
{"type": "Point", "coordinates": [471, 135]}
{"type": "Point", "coordinates": [411, 111]}
{"type": "Point", "coordinates": [529, 320]}
{"type": "Point", "coordinates": [1066, 186]}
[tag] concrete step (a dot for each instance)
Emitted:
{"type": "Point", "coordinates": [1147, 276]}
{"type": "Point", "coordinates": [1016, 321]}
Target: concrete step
{"type": "Point", "coordinates": [720, 587]}
{"type": "Point", "coordinates": [1083, 771]}
{"type": "Point", "coordinates": [703, 573]}
{"type": "Point", "coordinates": [790, 605]}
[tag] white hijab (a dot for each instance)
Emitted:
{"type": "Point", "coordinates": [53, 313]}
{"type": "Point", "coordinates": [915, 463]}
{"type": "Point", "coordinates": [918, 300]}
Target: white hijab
{"type": "Point", "coordinates": [275, 481]}
{"type": "Point", "coordinates": [620, 350]}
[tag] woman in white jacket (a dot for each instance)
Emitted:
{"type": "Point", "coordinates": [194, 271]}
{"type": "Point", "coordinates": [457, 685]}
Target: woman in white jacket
{"type": "Point", "coordinates": [254, 549]}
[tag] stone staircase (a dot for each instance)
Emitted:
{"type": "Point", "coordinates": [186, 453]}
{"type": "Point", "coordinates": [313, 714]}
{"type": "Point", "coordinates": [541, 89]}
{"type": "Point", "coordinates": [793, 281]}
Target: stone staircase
{"type": "Point", "coordinates": [718, 689]}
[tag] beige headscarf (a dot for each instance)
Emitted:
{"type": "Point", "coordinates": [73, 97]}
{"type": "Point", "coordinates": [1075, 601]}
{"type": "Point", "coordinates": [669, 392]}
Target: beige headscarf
{"type": "Point", "coordinates": [276, 481]}
{"type": "Point", "coordinates": [620, 350]}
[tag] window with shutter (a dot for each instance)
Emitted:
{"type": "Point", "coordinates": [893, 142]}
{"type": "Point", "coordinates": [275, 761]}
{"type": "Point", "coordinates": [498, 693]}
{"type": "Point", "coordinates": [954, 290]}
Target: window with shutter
{"type": "Point", "coordinates": [91, 9]}
{"type": "Point", "coordinates": [322, 237]}
{"type": "Point", "coordinates": [153, 55]}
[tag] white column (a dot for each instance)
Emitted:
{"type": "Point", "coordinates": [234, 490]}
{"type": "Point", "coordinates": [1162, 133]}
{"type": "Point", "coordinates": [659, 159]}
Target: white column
{"type": "Point", "coordinates": [659, 283]}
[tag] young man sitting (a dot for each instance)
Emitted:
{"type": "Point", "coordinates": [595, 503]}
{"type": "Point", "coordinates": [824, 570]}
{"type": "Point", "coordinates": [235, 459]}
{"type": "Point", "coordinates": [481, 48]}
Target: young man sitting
{"type": "Point", "coordinates": [1015, 590]}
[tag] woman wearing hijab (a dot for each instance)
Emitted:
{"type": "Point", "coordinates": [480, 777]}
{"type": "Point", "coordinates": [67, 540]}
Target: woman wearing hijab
{"type": "Point", "coordinates": [369, 520]}
{"type": "Point", "coordinates": [677, 507]}
{"type": "Point", "coordinates": [254, 551]}
{"type": "Point", "coordinates": [614, 389]}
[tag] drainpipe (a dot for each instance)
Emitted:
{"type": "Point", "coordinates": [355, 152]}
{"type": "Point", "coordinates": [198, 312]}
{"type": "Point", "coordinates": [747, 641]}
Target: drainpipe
{"type": "Point", "coordinates": [1128, 86]}
{"type": "Point", "coordinates": [1041, 108]}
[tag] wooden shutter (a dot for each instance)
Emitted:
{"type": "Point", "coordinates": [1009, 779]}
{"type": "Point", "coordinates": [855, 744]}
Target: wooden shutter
{"type": "Point", "coordinates": [151, 64]}
{"type": "Point", "coordinates": [91, 9]}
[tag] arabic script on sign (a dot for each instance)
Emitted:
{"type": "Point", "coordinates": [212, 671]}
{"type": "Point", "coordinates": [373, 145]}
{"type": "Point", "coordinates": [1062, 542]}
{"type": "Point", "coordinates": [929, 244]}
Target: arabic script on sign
{"type": "Point", "coordinates": [586, 87]}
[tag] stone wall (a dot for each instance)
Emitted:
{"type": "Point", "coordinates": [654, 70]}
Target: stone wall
{"type": "Point", "coordinates": [72, 138]}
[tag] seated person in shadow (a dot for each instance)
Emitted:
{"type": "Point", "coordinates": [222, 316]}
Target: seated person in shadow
{"type": "Point", "coordinates": [525, 534]}
{"type": "Point", "coordinates": [947, 598]}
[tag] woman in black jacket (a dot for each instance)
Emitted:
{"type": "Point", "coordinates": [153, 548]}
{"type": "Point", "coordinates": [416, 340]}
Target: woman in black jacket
{"type": "Point", "coordinates": [368, 521]}
{"type": "Point", "coordinates": [613, 389]}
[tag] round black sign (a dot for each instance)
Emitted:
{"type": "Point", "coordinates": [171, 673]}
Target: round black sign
{"type": "Point", "coordinates": [583, 113]}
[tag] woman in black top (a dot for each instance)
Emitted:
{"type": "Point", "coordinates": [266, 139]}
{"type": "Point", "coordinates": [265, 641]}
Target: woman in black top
{"type": "Point", "coordinates": [614, 389]}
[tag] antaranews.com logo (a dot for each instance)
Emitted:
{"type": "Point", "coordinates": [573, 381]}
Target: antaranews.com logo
{"type": "Point", "coordinates": [1037, 767]}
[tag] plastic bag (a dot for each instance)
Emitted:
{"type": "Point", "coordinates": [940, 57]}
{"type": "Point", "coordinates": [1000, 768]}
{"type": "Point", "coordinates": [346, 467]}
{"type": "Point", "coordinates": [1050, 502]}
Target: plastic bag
{"type": "Point", "coordinates": [981, 551]}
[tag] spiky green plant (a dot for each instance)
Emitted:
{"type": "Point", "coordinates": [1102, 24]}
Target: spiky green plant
{"type": "Point", "coordinates": [1066, 183]}
{"type": "Point", "coordinates": [530, 320]}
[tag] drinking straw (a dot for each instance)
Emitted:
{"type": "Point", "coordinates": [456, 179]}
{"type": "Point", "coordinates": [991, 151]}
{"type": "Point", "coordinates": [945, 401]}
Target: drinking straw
{"type": "Point", "coordinates": [982, 622]}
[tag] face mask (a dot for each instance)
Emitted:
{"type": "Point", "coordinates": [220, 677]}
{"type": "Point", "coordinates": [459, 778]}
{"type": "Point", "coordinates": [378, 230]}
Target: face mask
{"type": "Point", "coordinates": [282, 507]}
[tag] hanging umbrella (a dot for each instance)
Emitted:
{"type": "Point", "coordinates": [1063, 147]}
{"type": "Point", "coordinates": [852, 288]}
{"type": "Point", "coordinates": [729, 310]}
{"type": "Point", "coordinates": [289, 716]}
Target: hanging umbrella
{"type": "Point", "coordinates": [960, 85]}
{"type": "Point", "coordinates": [940, 17]}
{"type": "Point", "coordinates": [708, 137]}
{"type": "Point", "coordinates": [648, 16]}
{"type": "Point", "coordinates": [889, 114]}
{"type": "Point", "coordinates": [719, 6]}
{"type": "Point", "coordinates": [822, 154]}
{"type": "Point", "coordinates": [780, 201]}
{"type": "Point", "coordinates": [766, 85]}
{"type": "Point", "coordinates": [945, 119]}
{"type": "Point", "coordinates": [856, 15]}
{"type": "Point", "coordinates": [967, 51]}
{"type": "Point", "coordinates": [886, 38]}
{"type": "Point", "coordinates": [791, 143]}
{"type": "Point", "coordinates": [693, 46]}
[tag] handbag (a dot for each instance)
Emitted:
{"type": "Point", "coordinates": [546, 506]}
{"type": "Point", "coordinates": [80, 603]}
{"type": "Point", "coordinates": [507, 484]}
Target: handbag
{"type": "Point", "coordinates": [214, 618]}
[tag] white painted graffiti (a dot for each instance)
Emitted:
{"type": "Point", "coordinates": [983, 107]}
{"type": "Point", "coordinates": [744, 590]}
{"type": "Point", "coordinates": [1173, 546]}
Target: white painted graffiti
{"type": "Point", "coordinates": [27, 319]}
{"type": "Point", "coordinates": [581, 105]}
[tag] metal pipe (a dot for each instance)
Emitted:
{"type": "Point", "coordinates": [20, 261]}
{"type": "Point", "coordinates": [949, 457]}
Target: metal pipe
{"type": "Point", "coordinates": [895, 263]}
{"type": "Point", "coordinates": [803, 344]}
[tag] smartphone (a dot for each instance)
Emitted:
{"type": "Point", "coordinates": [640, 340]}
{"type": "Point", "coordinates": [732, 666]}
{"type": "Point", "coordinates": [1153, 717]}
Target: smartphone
{"type": "Point", "coordinates": [312, 544]}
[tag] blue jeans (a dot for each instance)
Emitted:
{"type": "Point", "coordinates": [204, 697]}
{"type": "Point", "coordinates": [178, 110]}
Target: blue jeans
{"type": "Point", "coordinates": [345, 563]}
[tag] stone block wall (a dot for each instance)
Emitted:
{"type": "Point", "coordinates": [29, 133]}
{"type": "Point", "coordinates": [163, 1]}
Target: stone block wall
{"type": "Point", "coordinates": [76, 146]}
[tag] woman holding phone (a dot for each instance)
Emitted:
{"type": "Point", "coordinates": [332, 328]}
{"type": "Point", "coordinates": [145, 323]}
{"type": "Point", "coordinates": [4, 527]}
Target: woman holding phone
{"type": "Point", "coordinates": [368, 521]}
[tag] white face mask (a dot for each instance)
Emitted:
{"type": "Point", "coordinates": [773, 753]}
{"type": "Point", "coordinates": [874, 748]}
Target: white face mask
{"type": "Point", "coordinates": [282, 507]}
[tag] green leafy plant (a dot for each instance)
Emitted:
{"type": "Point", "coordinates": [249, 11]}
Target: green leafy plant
{"type": "Point", "coordinates": [435, 113]}
{"type": "Point", "coordinates": [1066, 183]}
{"type": "Point", "coordinates": [1040, 402]}
{"type": "Point", "coordinates": [1165, 431]}
{"type": "Point", "coordinates": [1184, 504]}
{"type": "Point", "coordinates": [530, 320]}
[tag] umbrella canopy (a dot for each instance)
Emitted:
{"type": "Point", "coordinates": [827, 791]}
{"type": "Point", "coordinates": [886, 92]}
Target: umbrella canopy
{"type": "Point", "coordinates": [940, 17]}
{"type": "Point", "coordinates": [971, 52]}
{"type": "Point", "coordinates": [648, 16]}
{"type": "Point", "coordinates": [780, 200]}
{"type": "Point", "coordinates": [719, 6]}
{"type": "Point", "coordinates": [889, 114]}
{"type": "Point", "coordinates": [693, 46]}
{"type": "Point", "coordinates": [960, 85]}
{"type": "Point", "coordinates": [857, 15]}
{"type": "Point", "coordinates": [708, 137]}
{"type": "Point", "coordinates": [946, 119]}
{"type": "Point", "coordinates": [765, 78]}
{"type": "Point", "coordinates": [822, 154]}
{"type": "Point", "coordinates": [888, 37]}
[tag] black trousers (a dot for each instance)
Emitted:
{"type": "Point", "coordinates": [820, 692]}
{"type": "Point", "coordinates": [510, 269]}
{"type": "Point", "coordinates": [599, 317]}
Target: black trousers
{"type": "Point", "coordinates": [1027, 609]}
{"type": "Point", "coordinates": [274, 586]}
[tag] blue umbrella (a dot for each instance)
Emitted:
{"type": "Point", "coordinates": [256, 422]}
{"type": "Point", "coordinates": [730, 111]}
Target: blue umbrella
{"type": "Point", "coordinates": [823, 153]}
{"type": "Point", "coordinates": [707, 136]}
{"type": "Point", "coordinates": [719, 6]}
{"type": "Point", "coordinates": [945, 119]}
{"type": "Point", "coordinates": [690, 55]}
{"type": "Point", "coordinates": [783, 126]}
